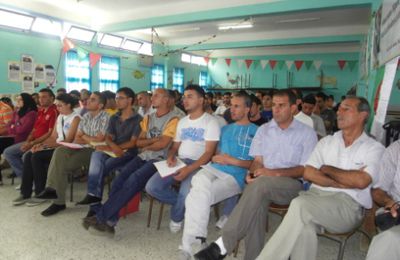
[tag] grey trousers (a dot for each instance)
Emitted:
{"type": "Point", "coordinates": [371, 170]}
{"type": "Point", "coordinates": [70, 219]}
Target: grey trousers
{"type": "Point", "coordinates": [296, 236]}
{"type": "Point", "coordinates": [248, 219]}
{"type": "Point", "coordinates": [385, 245]}
{"type": "Point", "coordinates": [65, 160]}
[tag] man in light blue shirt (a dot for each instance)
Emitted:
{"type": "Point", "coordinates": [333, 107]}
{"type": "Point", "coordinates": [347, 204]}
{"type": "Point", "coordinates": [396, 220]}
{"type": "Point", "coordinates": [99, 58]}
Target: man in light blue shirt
{"type": "Point", "coordinates": [280, 149]}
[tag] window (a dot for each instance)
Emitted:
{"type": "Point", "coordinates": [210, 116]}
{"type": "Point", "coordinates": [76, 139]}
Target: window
{"type": "Point", "coordinates": [47, 26]}
{"type": "Point", "coordinates": [185, 57]}
{"type": "Point", "coordinates": [15, 20]}
{"type": "Point", "coordinates": [203, 79]}
{"type": "Point", "coordinates": [131, 45]}
{"type": "Point", "coordinates": [177, 79]}
{"type": "Point", "coordinates": [80, 34]}
{"type": "Point", "coordinates": [111, 40]}
{"type": "Point", "coordinates": [109, 74]}
{"type": "Point", "coordinates": [198, 60]}
{"type": "Point", "coordinates": [77, 72]}
{"type": "Point", "coordinates": [157, 77]}
{"type": "Point", "coordinates": [146, 48]}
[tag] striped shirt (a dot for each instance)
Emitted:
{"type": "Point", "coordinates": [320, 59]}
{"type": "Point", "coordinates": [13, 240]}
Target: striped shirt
{"type": "Point", "coordinates": [92, 126]}
{"type": "Point", "coordinates": [389, 172]}
{"type": "Point", "coordinates": [6, 114]}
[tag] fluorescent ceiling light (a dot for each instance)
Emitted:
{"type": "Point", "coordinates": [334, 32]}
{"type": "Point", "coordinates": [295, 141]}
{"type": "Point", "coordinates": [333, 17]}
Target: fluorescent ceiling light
{"type": "Point", "coordinates": [16, 20]}
{"type": "Point", "coordinates": [131, 45]}
{"type": "Point", "coordinates": [235, 26]}
{"type": "Point", "coordinates": [111, 40]}
{"type": "Point", "coordinates": [179, 30]}
{"type": "Point", "coordinates": [80, 34]}
{"type": "Point", "coordinates": [299, 20]}
{"type": "Point", "coordinates": [46, 26]}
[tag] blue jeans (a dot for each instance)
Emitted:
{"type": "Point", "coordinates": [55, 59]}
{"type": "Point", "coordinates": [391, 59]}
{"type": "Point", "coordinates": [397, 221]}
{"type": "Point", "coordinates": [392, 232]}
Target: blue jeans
{"type": "Point", "coordinates": [102, 165]}
{"type": "Point", "coordinates": [131, 180]}
{"type": "Point", "coordinates": [229, 205]}
{"type": "Point", "coordinates": [15, 157]}
{"type": "Point", "coordinates": [160, 188]}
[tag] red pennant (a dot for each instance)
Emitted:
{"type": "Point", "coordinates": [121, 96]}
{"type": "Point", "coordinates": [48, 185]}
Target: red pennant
{"type": "Point", "coordinates": [228, 62]}
{"type": "Point", "coordinates": [67, 45]}
{"type": "Point", "coordinates": [248, 63]}
{"type": "Point", "coordinates": [272, 63]}
{"type": "Point", "coordinates": [298, 64]}
{"type": "Point", "coordinates": [93, 59]}
{"type": "Point", "coordinates": [207, 59]}
{"type": "Point", "coordinates": [341, 63]}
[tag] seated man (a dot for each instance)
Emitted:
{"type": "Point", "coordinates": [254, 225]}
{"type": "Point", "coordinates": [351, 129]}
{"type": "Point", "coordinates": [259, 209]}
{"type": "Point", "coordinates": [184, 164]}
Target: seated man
{"type": "Point", "coordinates": [308, 106]}
{"type": "Point", "coordinates": [224, 177]}
{"type": "Point", "coordinates": [386, 193]}
{"type": "Point", "coordinates": [158, 129]}
{"type": "Point", "coordinates": [92, 128]}
{"type": "Point", "coordinates": [280, 149]}
{"type": "Point", "coordinates": [341, 168]}
{"type": "Point", "coordinates": [196, 138]}
{"type": "Point", "coordinates": [122, 134]}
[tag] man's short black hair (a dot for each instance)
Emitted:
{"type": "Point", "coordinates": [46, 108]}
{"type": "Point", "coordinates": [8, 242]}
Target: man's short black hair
{"type": "Point", "coordinates": [108, 94]}
{"type": "Point", "coordinates": [286, 93]}
{"type": "Point", "coordinates": [128, 92]}
{"type": "Point", "coordinates": [48, 91]}
{"type": "Point", "coordinates": [310, 99]}
{"type": "Point", "coordinates": [321, 95]}
{"type": "Point", "coordinates": [255, 99]}
{"type": "Point", "coordinates": [247, 99]}
{"type": "Point", "coordinates": [200, 91]}
{"type": "Point", "coordinates": [102, 97]}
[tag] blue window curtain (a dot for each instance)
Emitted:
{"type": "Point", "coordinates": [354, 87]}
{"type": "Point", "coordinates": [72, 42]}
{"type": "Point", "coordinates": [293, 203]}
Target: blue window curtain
{"type": "Point", "coordinates": [177, 79]}
{"type": "Point", "coordinates": [109, 74]}
{"type": "Point", "coordinates": [203, 79]}
{"type": "Point", "coordinates": [157, 77]}
{"type": "Point", "coordinates": [77, 72]}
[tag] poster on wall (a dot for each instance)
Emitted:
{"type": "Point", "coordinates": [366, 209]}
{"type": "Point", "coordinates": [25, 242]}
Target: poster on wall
{"type": "Point", "coordinates": [388, 31]}
{"type": "Point", "coordinates": [39, 72]}
{"type": "Point", "coordinates": [14, 71]}
{"type": "Point", "coordinates": [383, 99]}
{"type": "Point", "coordinates": [27, 84]}
{"type": "Point", "coordinates": [27, 64]}
{"type": "Point", "coordinates": [50, 76]}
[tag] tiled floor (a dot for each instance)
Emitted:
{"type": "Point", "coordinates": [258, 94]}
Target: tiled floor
{"type": "Point", "coordinates": [25, 234]}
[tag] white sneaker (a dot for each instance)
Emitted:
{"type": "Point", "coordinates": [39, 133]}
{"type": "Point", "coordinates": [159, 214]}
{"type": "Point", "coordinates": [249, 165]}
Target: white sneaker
{"type": "Point", "coordinates": [35, 201]}
{"type": "Point", "coordinates": [20, 201]}
{"type": "Point", "coordinates": [18, 187]}
{"type": "Point", "coordinates": [221, 221]}
{"type": "Point", "coordinates": [175, 227]}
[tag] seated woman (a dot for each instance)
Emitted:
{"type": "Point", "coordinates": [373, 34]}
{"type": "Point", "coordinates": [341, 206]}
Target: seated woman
{"type": "Point", "coordinates": [38, 158]}
{"type": "Point", "coordinates": [21, 124]}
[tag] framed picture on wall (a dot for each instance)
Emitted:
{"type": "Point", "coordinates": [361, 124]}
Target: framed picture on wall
{"type": "Point", "coordinates": [14, 71]}
{"type": "Point", "coordinates": [27, 64]}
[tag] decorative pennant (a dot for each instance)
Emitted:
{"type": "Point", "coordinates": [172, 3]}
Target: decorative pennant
{"type": "Point", "coordinates": [94, 59]}
{"type": "Point", "coordinates": [248, 63]}
{"type": "Point", "coordinates": [228, 62]}
{"type": "Point", "coordinates": [341, 63]}
{"type": "Point", "coordinates": [352, 64]}
{"type": "Point", "coordinates": [207, 59]}
{"type": "Point", "coordinates": [317, 64]}
{"type": "Point", "coordinates": [272, 64]}
{"type": "Point", "coordinates": [240, 63]}
{"type": "Point", "coordinates": [264, 63]}
{"type": "Point", "coordinates": [67, 45]}
{"type": "Point", "coordinates": [289, 64]}
{"type": "Point", "coordinates": [308, 64]}
{"type": "Point", "coordinates": [82, 54]}
{"type": "Point", "coordinates": [213, 61]}
{"type": "Point", "coordinates": [281, 63]}
{"type": "Point", "coordinates": [256, 63]}
{"type": "Point", "coordinates": [298, 64]}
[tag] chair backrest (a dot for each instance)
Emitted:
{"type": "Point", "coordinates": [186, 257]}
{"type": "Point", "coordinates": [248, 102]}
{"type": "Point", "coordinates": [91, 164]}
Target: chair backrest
{"type": "Point", "coordinates": [392, 132]}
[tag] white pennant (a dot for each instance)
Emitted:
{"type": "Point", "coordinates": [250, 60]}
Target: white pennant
{"type": "Point", "coordinates": [240, 63]}
{"type": "Point", "coordinates": [289, 64]}
{"type": "Point", "coordinates": [317, 64]}
{"type": "Point", "coordinates": [264, 63]}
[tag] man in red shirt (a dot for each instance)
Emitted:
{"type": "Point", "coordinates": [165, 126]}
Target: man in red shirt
{"type": "Point", "coordinates": [44, 124]}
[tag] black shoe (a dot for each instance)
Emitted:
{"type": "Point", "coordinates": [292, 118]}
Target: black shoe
{"type": "Point", "coordinates": [53, 209]}
{"type": "Point", "coordinates": [102, 229]}
{"type": "Point", "coordinates": [89, 221]}
{"type": "Point", "coordinates": [47, 194]}
{"type": "Point", "coordinates": [89, 199]}
{"type": "Point", "coordinates": [212, 252]}
{"type": "Point", "coordinates": [90, 213]}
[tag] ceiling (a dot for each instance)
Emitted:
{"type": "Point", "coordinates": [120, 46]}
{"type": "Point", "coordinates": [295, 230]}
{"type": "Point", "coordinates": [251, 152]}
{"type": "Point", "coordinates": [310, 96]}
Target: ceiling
{"type": "Point", "coordinates": [279, 26]}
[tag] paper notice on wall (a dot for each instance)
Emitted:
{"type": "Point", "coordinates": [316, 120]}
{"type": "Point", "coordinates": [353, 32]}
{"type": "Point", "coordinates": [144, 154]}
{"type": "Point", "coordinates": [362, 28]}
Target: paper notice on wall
{"type": "Point", "coordinates": [14, 71]}
{"type": "Point", "coordinates": [27, 64]}
{"type": "Point", "coordinates": [384, 97]}
{"type": "Point", "coordinates": [50, 76]}
{"type": "Point", "coordinates": [39, 73]}
{"type": "Point", "coordinates": [388, 31]}
{"type": "Point", "coordinates": [27, 84]}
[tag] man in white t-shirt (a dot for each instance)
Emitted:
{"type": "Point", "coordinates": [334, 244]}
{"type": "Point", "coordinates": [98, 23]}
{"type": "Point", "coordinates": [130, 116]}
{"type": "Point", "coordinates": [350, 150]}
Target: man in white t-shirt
{"type": "Point", "coordinates": [341, 168]}
{"type": "Point", "coordinates": [226, 102]}
{"type": "Point", "coordinates": [196, 138]}
{"type": "Point", "coordinates": [298, 114]}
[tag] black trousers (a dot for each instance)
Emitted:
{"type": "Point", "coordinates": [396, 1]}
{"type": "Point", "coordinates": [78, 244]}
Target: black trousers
{"type": "Point", "coordinates": [35, 172]}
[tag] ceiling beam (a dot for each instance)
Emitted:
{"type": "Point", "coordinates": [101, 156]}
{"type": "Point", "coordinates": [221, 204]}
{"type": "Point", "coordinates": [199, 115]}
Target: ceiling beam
{"type": "Point", "coordinates": [273, 42]}
{"type": "Point", "coordinates": [270, 8]}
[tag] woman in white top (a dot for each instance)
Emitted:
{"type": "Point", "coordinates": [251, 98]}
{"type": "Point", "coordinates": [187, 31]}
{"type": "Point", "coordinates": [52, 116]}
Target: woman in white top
{"type": "Point", "coordinates": [36, 161]}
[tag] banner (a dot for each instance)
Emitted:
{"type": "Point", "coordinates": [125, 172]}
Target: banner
{"type": "Point", "coordinates": [289, 64]}
{"type": "Point", "coordinates": [228, 62]}
{"type": "Point", "coordinates": [213, 61]}
{"type": "Point", "coordinates": [264, 63]}
{"type": "Point", "coordinates": [93, 59]}
{"type": "Point", "coordinates": [272, 64]}
{"type": "Point", "coordinates": [317, 64]}
{"type": "Point", "coordinates": [308, 64]}
{"type": "Point", "coordinates": [248, 63]}
{"type": "Point", "coordinates": [298, 64]}
{"type": "Point", "coordinates": [387, 28]}
{"type": "Point", "coordinates": [341, 63]}
{"type": "Point", "coordinates": [240, 63]}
